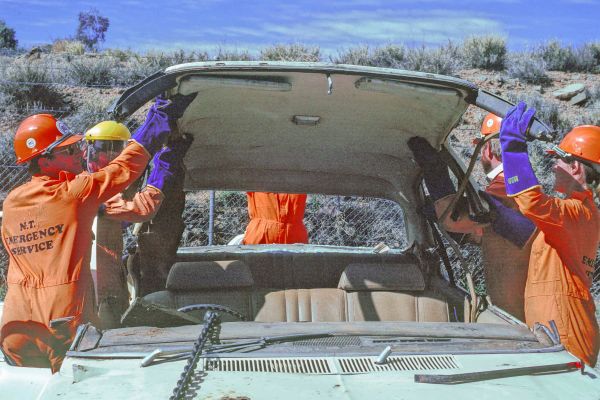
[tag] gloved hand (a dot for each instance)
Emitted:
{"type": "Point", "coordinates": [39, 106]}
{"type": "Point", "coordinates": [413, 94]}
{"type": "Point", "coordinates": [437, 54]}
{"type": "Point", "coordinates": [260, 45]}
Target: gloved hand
{"type": "Point", "coordinates": [518, 174]}
{"type": "Point", "coordinates": [166, 163]}
{"type": "Point", "coordinates": [179, 148]}
{"type": "Point", "coordinates": [154, 131]}
{"type": "Point", "coordinates": [176, 105]}
{"type": "Point", "coordinates": [435, 170]}
{"type": "Point", "coordinates": [508, 223]}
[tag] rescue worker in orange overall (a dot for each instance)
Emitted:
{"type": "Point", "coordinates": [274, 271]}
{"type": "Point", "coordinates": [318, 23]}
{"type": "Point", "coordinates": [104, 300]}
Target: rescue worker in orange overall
{"type": "Point", "coordinates": [505, 260]}
{"type": "Point", "coordinates": [505, 221]}
{"type": "Point", "coordinates": [563, 252]}
{"type": "Point", "coordinates": [46, 230]}
{"type": "Point", "coordinates": [104, 142]}
{"type": "Point", "coordinates": [504, 238]}
{"type": "Point", "coordinates": [275, 218]}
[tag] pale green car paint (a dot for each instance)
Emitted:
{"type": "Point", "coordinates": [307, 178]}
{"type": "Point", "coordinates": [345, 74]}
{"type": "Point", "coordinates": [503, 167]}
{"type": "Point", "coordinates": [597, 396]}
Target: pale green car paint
{"type": "Point", "coordinates": [125, 379]}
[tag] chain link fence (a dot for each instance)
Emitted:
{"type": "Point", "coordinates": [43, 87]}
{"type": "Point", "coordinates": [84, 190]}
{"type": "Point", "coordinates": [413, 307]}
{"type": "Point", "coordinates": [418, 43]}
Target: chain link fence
{"type": "Point", "coordinates": [217, 217]}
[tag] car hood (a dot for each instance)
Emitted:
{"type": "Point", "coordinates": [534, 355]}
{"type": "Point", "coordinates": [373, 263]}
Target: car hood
{"type": "Point", "coordinates": [126, 379]}
{"type": "Point", "coordinates": [306, 127]}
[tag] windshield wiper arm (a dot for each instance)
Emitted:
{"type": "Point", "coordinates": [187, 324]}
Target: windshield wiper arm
{"type": "Point", "coordinates": [499, 373]}
{"type": "Point", "coordinates": [266, 340]}
{"type": "Point", "coordinates": [178, 352]}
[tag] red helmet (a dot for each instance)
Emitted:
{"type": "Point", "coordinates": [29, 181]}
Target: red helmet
{"type": "Point", "coordinates": [39, 133]}
{"type": "Point", "coordinates": [582, 143]}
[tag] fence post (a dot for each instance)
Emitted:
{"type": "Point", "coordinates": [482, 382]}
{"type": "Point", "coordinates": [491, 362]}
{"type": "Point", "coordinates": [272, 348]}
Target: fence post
{"type": "Point", "coordinates": [211, 217]}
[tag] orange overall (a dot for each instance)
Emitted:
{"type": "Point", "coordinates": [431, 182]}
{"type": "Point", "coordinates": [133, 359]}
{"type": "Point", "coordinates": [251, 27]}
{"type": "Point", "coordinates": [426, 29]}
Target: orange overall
{"type": "Point", "coordinates": [561, 267]}
{"type": "Point", "coordinates": [504, 263]}
{"type": "Point", "coordinates": [111, 277]}
{"type": "Point", "coordinates": [47, 231]}
{"type": "Point", "coordinates": [275, 218]}
{"type": "Point", "coordinates": [142, 207]}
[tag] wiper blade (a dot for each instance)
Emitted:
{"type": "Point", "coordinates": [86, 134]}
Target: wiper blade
{"type": "Point", "coordinates": [500, 373]}
{"type": "Point", "coordinates": [266, 340]}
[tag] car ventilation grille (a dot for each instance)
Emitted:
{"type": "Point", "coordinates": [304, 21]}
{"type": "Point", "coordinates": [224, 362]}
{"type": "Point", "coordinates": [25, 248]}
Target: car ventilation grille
{"type": "Point", "coordinates": [344, 365]}
{"type": "Point", "coordinates": [340, 341]}
{"type": "Point", "coordinates": [354, 365]}
{"type": "Point", "coordinates": [282, 365]}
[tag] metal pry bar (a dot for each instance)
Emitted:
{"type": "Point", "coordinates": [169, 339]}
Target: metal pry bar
{"type": "Point", "coordinates": [497, 374]}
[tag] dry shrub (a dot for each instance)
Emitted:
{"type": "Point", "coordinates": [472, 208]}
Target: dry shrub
{"type": "Point", "coordinates": [389, 56]}
{"type": "Point", "coordinates": [360, 55]}
{"type": "Point", "coordinates": [485, 52]}
{"type": "Point", "coordinates": [291, 52]}
{"type": "Point", "coordinates": [29, 85]}
{"type": "Point", "coordinates": [528, 69]}
{"type": "Point", "coordinates": [69, 46]}
{"type": "Point", "coordinates": [93, 71]}
{"type": "Point", "coordinates": [443, 60]}
{"type": "Point", "coordinates": [585, 58]}
{"type": "Point", "coordinates": [233, 55]}
{"type": "Point", "coordinates": [439, 60]}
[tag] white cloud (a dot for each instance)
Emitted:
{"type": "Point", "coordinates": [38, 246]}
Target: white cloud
{"type": "Point", "coordinates": [329, 32]}
{"type": "Point", "coordinates": [376, 26]}
{"type": "Point", "coordinates": [384, 25]}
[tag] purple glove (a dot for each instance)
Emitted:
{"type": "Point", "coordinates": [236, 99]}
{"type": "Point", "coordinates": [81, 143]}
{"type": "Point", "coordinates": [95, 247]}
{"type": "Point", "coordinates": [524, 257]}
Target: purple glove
{"type": "Point", "coordinates": [166, 163]}
{"type": "Point", "coordinates": [518, 174]}
{"type": "Point", "coordinates": [176, 105]}
{"type": "Point", "coordinates": [508, 223]}
{"type": "Point", "coordinates": [154, 131]}
{"type": "Point", "coordinates": [435, 170]}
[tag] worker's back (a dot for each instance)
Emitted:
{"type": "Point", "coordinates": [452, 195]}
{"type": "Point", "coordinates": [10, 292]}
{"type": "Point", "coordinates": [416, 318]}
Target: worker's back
{"type": "Point", "coordinates": [276, 218]}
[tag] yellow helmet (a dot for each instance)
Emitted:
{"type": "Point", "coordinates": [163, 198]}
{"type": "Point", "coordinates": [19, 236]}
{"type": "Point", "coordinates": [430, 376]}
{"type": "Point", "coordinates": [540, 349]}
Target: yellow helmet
{"type": "Point", "coordinates": [104, 142]}
{"type": "Point", "coordinates": [108, 130]}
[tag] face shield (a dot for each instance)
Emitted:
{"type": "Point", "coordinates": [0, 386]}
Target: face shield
{"type": "Point", "coordinates": [101, 152]}
{"type": "Point", "coordinates": [70, 150]}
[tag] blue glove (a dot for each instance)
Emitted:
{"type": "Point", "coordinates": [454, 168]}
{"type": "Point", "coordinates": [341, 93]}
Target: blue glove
{"type": "Point", "coordinates": [176, 105]}
{"type": "Point", "coordinates": [154, 131]}
{"type": "Point", "coordinates": [518, 174]}
{"type": "Point", "coordinates": [166, 163]}
{"type": "Point", "coordinates": [435, 170]}
{"type": "Point", "coordinates": [508, 223]}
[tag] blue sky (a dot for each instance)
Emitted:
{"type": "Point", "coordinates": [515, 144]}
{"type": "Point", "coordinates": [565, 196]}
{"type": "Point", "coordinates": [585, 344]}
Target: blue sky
{"type": "Point", "coordinates": [331, 24]}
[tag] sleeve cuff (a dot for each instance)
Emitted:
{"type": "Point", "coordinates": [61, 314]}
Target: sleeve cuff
{"type": "Point", "coordinates": [524, 190]}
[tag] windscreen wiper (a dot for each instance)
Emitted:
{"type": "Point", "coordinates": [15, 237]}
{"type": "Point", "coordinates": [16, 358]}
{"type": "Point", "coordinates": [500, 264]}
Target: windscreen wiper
{"type": "Point", "coordinates": [266, 340]}
{"type": "Point", "coordinates": [177, 353]}
{"type": "Point", "coordinates": [454, 379]}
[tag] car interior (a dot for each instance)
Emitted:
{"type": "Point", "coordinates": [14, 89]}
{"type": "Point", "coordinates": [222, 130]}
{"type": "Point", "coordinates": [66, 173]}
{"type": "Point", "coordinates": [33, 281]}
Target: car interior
{"type": "Point", "coordinates": [284, 286]}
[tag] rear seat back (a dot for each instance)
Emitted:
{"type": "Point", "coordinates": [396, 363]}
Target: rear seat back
{"type": "Point", "coordinates": [365, 292]}
{"type": "Point", "coordinates": [295, 270]}
{"type": "Point", "coordinates": [396, 306]}
{"type": "Point", "coordinates": [299, 305]}
{"type": "Point", "coordinates": [228, 283]}
{"type": "Point", "coordinates": [390, 292]}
